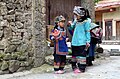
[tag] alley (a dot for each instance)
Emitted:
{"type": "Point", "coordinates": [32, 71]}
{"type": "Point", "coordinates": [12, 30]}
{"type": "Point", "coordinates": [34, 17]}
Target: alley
{"type": "Point", "coordinates": [108, 68]}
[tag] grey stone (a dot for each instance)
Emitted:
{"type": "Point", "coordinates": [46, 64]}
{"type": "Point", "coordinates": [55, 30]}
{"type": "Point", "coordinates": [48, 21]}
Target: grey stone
{"type": "Point", "coordinates": [43, 10]}
{"type": "Point", "coordinates": [14, 65]}
{"type": "Point", "coordinates": [24, 64]}
{"type": "Point", "coordinates": [49, 51]}
{"type": "Point", "coordinates": [2, 3]}
{"type": "Point", "coordinates": [20, 18]}
{"type": "Point", "coordinates": [106, 53]}
{"type": "Point", "coordinates": [19, 25]}
{"type": "Point", "coordinates": [2, 47]}
{"type": "Point", "coordinates": [1, 18]}
{"type": "Point", "coordinates": [11, 12]}
{"type": "Point", "coordinates": [7, 57]}
{"type": "Point", "coordinates": [10, 18]}
{"type": "Point", "coordinates": [38, 52]}
{"type": "Point", "coordinates": [28, 23]}
{"type": "Point", "coordinates": [21, 58]}
{"type": "Point", "coordinates": [10, 6]}
{"type": "Point", "coordinates": [3, 10]}
{"type": "Point", "coordinates": [1, 28]}
{"type": "Point", "coordinates": [4, 23]}
{"type": "Point", "coordinates": [38, 61]}
{"type": "Point", "coordinates": [42, 2]}
{"type": "Point", "coordinates": [4, 72]}
{"type": "Point", "coordinates": [29, 3]}
{"type": "Point", "coordinates": [27, 35]}
{"type": "Point", "coordinates": [0, 65]}
{"type": "Point", "coordinates": [7, 33]}
{"type": "Point", "coordinates": [1, 33]}
{"type": "Point", "coordinates": [21, 69]}
{"type": "Point", "coordinates": [22, 48]}
{"type": "Point", "coordinates": [30, 60]}
{"type": "Point", "coordinates": [14, 56]}
{"type": "Point", "coordinates": [10, 48]}
{"type": "Point", "coordinates": [13, 28]}
{"type": "Point", "coordinates": [4, 65]}
{"type": "Point", "coordinates": [49, 59]}
{"type": "Point", "coordinates": [15, 42]}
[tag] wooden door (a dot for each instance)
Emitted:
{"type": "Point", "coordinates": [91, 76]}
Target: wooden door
{"type": "Point", "coordinates": [108, 30]}
{"type": "Point", "coordinates": [60, 7]}
{"type": "Point", "coordinates": [118, 30]}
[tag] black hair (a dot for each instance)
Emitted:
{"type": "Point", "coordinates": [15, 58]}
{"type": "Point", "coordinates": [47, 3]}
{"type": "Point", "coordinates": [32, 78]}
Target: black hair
{"type": "Point", "coordinates": [56, 25]}
{"type": "Point", "coordinates": [87, 14]}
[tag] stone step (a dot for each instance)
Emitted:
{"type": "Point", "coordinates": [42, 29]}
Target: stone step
{"type": "Point", "coordinates": [115, 54]}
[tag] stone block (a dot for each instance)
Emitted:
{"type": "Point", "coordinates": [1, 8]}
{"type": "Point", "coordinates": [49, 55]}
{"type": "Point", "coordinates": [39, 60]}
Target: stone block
{"type": "Point", "coordinates": [7, 57]}
{"type": "Point", "coordinates": [10, 6]}
{"type": "Point", "coordinates": [1, 33]}
{"type": "Point", "coordinates": [19, 25]}
{"type": "Point", "coordinates": [24, 64]}
{"type": "Point", "coordinates": [14, 65]}
{"type": "Point", "coordinates": [10, 18]}
{"type": "Point", "coordinates": [10, 49]}
{"type": "Point", "coordinates": [38, 61]}
{"type": "Point", "coordinates": [3, 10]}
{"type": "Point", "coordinates": [2, 47]}
{"type": "Point", "coordinates": [11, 12]}
{"type": "Point", "coordinates": [21, 69]}
{"type": "Point", "coordinates": [4, 65]}
{"type": "Point", "coordinates": [4, 72]}
{"type": "Point", "coordinates": [22, 48]}
{"type": "Point", "coordinates": [4, 23]}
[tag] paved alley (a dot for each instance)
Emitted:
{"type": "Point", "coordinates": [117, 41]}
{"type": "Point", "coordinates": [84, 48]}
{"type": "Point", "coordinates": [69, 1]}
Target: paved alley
{"type": "Point", "coordinates": [108, 68]}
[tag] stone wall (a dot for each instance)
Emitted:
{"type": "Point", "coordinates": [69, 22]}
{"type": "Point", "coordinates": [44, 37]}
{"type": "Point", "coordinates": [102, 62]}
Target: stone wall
{"type": "Point", "coordinates": [22, 34]}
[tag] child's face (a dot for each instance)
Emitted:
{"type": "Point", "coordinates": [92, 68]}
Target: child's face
{"type": "Point", "coordinates": [78, 17]}
{"type": "Point", "coordinates": [61, 23]}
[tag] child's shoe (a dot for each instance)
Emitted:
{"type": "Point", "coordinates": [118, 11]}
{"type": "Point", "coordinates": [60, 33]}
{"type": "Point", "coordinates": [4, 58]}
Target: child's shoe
{"type": "Point", "coordinates": [77, 71]}
{"type": "Point", "coordinates": [59, 72]}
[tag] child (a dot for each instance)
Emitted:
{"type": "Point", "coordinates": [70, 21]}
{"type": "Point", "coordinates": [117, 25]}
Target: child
{"type": "Point", "coordinates": [60, 47]}
{"type": "Point", "coordinates": [96, 35]}
{"type": "Point", "coordinates": [80, 39]}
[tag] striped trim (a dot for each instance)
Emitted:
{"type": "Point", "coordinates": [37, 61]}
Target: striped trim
{"type": "Point", "coordinates": [60, 53]}
{"type": "Point", "coordinates": [81, 60]}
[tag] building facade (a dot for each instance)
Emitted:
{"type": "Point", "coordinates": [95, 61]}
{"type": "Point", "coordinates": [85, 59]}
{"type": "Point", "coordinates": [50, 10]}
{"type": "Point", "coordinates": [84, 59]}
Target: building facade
{"type": "Point", "coordinates": [107, 14]}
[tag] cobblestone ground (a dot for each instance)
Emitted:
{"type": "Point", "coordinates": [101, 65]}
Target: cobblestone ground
{"type": "Point", "coordinates": [103, 69]}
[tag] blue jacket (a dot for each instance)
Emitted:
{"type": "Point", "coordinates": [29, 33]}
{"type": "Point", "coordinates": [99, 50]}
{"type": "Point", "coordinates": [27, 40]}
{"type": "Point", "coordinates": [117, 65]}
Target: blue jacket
{"type": "Point", "coordinates": [60, 46]}
{"type": "Point", "coordinates": [81, 33]}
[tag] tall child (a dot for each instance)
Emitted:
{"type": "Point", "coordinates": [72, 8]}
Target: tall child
{"type": "Point", "coordinates": [80, 39]}
{"type": "Point", "coordinates": [60, 47]}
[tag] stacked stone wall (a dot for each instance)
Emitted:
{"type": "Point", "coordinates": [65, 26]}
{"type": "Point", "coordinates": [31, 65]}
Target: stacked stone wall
{"type": "Point", "coordinates": [22, 34]}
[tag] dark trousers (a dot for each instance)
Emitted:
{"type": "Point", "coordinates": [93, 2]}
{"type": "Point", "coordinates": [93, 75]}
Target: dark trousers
{"type": "Point", "coordinates": [59, 62]}
{"type": "Point", "coordinates": [91, 54]}
{"type": "Point", "coordinates": [79, 57]}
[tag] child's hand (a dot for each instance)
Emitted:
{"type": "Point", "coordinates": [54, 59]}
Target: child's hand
{"type": "Point", "coordinates": [69, 23]}
{"type": "Point", "coordinates": [67, 39]}
{"type": "Point", "coordinates": [87, 44]}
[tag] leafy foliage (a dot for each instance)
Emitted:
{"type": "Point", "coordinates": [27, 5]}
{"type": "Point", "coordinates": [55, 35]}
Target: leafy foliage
{"type": "Point", "coordinates": [96, 1]}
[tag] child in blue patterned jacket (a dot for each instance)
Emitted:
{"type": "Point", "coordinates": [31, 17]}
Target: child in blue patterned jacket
{"type": "Point", "coordinates": [60, 47]}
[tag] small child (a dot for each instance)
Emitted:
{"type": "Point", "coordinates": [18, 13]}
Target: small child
{"type": "Point", "coordinates": [60, 47]}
